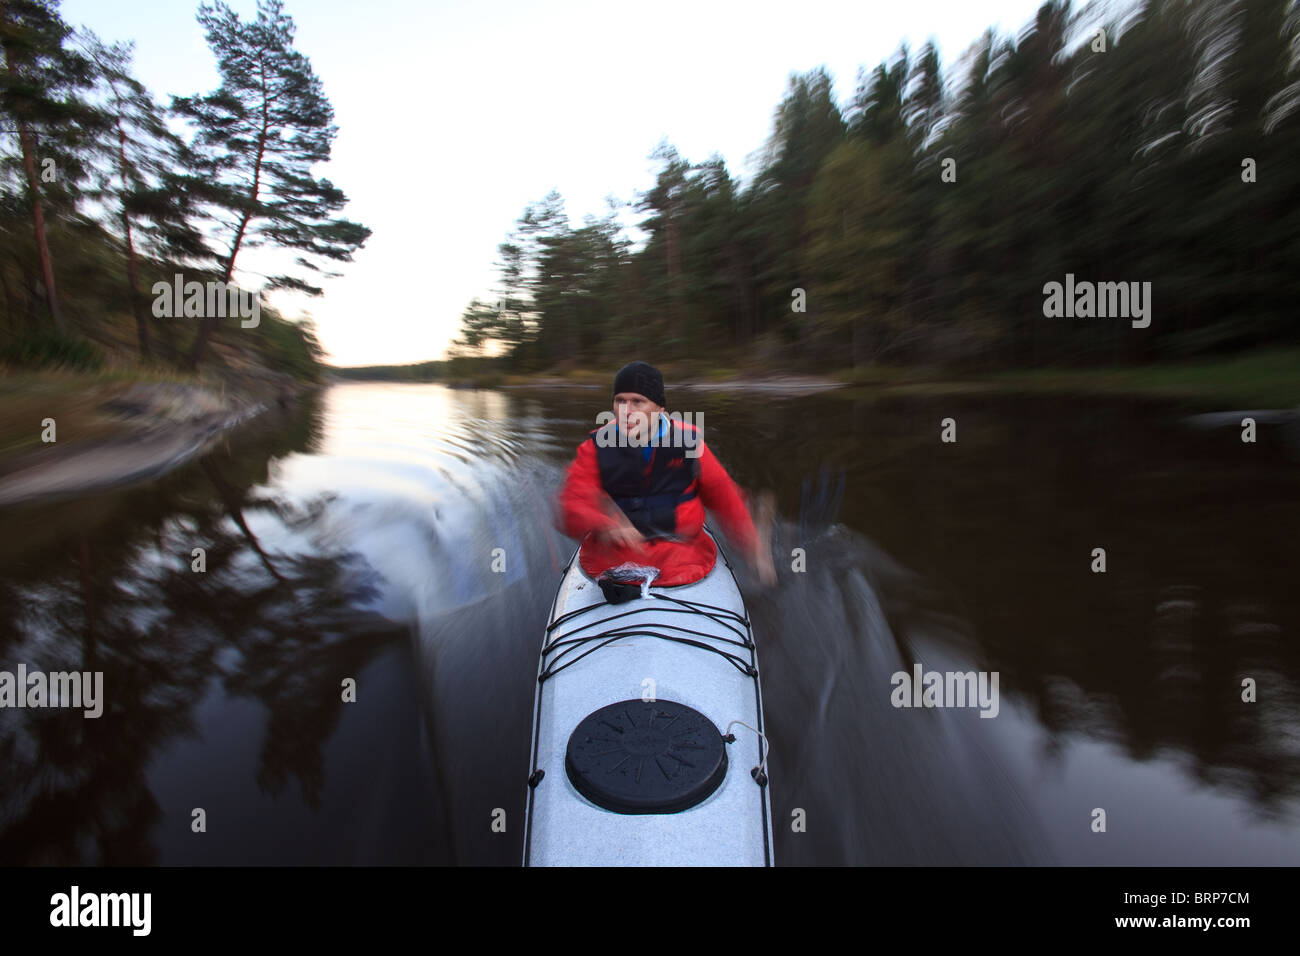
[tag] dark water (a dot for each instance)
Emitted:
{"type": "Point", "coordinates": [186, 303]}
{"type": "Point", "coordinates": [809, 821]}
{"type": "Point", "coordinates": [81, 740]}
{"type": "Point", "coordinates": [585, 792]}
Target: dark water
{"type": "Point", "coordinates": [1118, 690]}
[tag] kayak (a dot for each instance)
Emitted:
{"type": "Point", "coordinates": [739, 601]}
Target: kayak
{"type": "Point", "coordinates": [648, 747]}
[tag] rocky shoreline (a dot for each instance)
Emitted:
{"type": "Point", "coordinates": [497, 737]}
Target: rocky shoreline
{"type": "Point", "coordinates": [149, 429]}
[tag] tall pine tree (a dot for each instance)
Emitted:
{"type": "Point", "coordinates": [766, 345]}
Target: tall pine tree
{"type": "Point", "coordinates": [259, 134]}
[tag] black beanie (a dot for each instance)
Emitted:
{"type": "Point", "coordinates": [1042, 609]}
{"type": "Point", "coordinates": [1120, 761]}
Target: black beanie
{"type": "Point", "coordinates": [642, 379]}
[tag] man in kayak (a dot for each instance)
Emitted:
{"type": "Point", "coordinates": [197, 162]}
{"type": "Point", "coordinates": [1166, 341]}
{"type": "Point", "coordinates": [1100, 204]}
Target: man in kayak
{"type": "Point", "coordinates": [631, 498]}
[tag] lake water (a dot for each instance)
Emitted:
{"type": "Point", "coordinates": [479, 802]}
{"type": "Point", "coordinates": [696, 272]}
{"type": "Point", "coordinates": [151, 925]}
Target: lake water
{"type": "Point", "coordinates": [353, 537]}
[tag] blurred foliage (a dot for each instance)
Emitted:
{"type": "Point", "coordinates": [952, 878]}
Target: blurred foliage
{"type": "Point", "coordinates": [1123, 164]}
{"type": "Point", "coordinates": [46, 348]}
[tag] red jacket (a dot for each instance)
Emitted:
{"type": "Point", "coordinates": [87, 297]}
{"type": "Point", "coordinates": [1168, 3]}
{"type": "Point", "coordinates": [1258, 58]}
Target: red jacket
{"type": "Point", "coordinates": [585, 508]}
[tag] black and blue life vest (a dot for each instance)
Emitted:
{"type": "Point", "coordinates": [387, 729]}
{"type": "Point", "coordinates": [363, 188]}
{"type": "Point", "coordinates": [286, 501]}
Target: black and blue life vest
{"type": "Point", "coordinates": [648, 483]}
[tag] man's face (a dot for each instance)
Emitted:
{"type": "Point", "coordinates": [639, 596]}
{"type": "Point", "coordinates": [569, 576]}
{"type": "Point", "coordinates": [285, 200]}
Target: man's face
{"type": "Point", "coordinates": [634, 413]}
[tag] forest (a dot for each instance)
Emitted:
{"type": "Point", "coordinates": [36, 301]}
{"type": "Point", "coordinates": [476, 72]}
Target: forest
{"type": "Point", "coordinates": [920, 222]}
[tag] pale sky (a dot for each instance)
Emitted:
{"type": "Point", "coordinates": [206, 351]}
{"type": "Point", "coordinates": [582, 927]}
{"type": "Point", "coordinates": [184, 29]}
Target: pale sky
{"type": "Point", "coordinates": [454, 116]}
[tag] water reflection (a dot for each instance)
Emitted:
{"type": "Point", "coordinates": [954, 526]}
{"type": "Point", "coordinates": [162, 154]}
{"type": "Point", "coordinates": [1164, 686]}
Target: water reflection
{"type": "Point", "coordinates": [1201, 533]}
{"type": "Point", "coordinates": [357, 536]}
{"type": "Point", "coordinates": [121, 596]}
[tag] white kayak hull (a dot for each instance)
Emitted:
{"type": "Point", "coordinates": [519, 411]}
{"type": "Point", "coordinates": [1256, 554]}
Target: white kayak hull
{"type": "Point", "coordinates": [733, 825]}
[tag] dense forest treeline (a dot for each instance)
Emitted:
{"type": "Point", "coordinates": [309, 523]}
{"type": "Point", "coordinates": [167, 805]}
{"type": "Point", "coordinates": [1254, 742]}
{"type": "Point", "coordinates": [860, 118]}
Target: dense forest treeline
{"type": "Point", "coordinates": [106, 192]}
{"type": "Point", "coordinates": [916, 223]}
{"type": "Point", "coordinates": [923, 218]}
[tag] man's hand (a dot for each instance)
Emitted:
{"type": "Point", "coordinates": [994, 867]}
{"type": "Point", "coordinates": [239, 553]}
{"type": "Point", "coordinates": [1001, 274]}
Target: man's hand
{"type": "Point", "coordinates": [762, 562]}
{"type": "Point", "coordinates": [761, 558]}
{"type": "Point", "coordinates": [622, 535]}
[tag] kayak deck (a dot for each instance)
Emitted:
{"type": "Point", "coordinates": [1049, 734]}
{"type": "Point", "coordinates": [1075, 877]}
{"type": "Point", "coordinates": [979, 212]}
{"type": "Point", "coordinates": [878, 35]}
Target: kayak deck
{"type": "Point", "coordinates": [691, 645]}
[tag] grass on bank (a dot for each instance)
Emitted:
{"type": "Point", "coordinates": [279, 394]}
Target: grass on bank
{"type": "Point", "coordinates": [1264, 378]}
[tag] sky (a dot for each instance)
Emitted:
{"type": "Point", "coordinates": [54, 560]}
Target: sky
{"type": "Point", "coordinates": [454, 116]}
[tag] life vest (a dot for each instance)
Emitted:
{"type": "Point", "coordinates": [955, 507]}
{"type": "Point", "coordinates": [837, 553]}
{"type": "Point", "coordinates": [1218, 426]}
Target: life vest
{"type": "Point", "coordinates": [648, 492]}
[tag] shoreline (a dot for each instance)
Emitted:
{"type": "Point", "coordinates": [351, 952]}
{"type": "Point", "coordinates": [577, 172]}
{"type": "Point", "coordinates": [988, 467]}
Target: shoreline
{"type": "Point", "coordinates": [100, 465]}
{"type": "Point", "coordinates": [142, 431]}
{"type": "Point", "coordinates": [114, 434]}
{"type": "Point", "coordinates": [1253, 379]}
{"type": "Point", "coordinates": [799, 384]}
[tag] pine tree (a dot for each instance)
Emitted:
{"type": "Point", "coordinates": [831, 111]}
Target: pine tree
{"type": "Point", "coordinates": [41, 82]}
{"type": "Point", "coordinates": [259, 134]}
{"type": "Point", "coordinates": [807, 128]}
